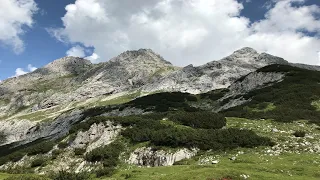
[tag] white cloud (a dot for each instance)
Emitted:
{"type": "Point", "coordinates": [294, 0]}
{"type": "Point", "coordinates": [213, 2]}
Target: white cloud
{"type": "Point", "coordinates": [21, 71]}
{"type": "Point", "coordinates": [93, 58]}
{"type": "Point", "coordinates": [15, 15]}
{"type": "Point", "coordinates": [76, 51]}
{"type": "Point", "coordinates": [191, 31]}
{"type": "Point", "coordinates": [31, 68]}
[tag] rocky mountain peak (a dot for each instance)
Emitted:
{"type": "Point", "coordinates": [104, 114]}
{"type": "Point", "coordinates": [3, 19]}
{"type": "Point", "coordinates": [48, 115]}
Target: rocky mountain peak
{"type": "Point", "coordinates": [66, 65]}
{"type": "Point", "coordinates": [250, 56]}
{"type": "Point", "coordinates": [138, 56]}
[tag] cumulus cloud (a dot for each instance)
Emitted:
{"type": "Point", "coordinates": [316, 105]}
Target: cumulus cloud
{"type": "Point", "coordinates": [76, 51]}
{"type": "Point", "coordinates": [15, 15]}
{"type": "Point", "coordinates": [93, 58]}
{"type": "Point", "coordinates": [21, 71]}
{"type": "Point", "coordinates": [191, 31]}
{"type": "Point", "coordinates": [31, 68]}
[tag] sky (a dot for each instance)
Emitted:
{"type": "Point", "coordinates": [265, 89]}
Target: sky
{"type": "Point", "coordinates": [36, 32]}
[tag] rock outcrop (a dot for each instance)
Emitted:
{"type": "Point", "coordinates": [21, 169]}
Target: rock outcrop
{"type": "Point", "coordinates": [98, 135]}
{"type": "Point", "coordinates": [146, 156]}
{"type": "Point", "coordinates": [24, 131]}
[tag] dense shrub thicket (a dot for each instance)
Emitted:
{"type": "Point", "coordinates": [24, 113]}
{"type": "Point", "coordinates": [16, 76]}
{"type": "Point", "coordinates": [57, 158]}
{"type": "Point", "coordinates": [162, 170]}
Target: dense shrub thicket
{"type": "Point", "coordinates": [38, 162]}
{"type": "Point", "coordinates": [64, 175]}
{"type": "Point", "coordinates": [27, 177]}
{"type": "Point", "coordinates": [203, 139]}
{"type": "Point", "coordinates": [163, 102]}
{"type": "Point", "coordinates": [14, 154]}
{"type": "Point", "coordinates": [215, 94]}
{"type": "Point", "coordinates": [292, 97]}
{"type": "Point", "coordinates": [205, 120]}
{"type": "Point", "coordinates": [189, 129]}
{"type": "Point", "coordinates": [108, 155]}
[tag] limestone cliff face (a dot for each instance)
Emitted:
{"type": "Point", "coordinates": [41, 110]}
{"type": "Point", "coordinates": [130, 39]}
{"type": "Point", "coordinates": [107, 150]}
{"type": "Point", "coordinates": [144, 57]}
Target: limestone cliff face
{"type": "Point", "coordinates": [25, 131]}
{"type": "Point", "coordinates": [146, 156]}
{"type": "Point", "coordinates": [98, 135]}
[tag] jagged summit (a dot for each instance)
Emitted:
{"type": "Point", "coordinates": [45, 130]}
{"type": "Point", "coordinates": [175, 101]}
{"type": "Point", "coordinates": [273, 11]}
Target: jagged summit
{"type": "Point", "coordinates": [246, 50]}
{"type": "Point", "coordinates": [67, 65]}
{"type": "Point", "coordinates": [146, 55]}
{"type": "Point", "coordinates": [250, 56]}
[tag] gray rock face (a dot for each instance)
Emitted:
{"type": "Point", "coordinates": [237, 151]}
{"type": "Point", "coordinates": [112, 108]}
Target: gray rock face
{"type": "Point", "coordinates": [24, 131]}
{"type": "Point", "coordinates": [98, 135]}
{"type": "Point", "coordinates": [215, 74]}
{"type": "Point", "coordinates": [251, 82]}
{"type": "Point", "coordinates": [146, 156]}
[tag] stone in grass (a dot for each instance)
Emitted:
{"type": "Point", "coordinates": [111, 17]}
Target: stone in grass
{"type": "Point", "coordinates": [215, 162]}
{"type": "Point", "coordinates": [233, 158]}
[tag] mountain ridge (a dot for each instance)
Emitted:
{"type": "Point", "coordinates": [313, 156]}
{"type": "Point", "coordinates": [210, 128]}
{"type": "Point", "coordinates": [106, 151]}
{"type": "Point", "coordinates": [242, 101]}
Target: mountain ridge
{"type": "Point", "coordinates": [71, 79]}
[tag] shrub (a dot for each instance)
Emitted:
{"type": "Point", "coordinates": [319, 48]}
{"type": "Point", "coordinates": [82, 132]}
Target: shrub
{"type": "Point", "coordinates": [106, 171]}
{"type": "Point", "coordinates": [27, 177]}
{"type": "Point", "coordinates": [63, 145]}
{"type": "Point", "coordinates": [299, 134]}
{"type": "Point", "coordinates": [64, 175]}
{"type": "Point", "coordinates": [108, 154]}
{"type": "Point", "coordinates": [55, 153]}
{"type": "Point", "coordinates": [40, 148]}
{"type": "Point", "coordinates": [79, 151]}
{"type": "Point", "coordinates": [2, 137]}
{"type": "Point", "coordinates": [38, 162]}
{"type": "Point", "coordinates": [205, 120]}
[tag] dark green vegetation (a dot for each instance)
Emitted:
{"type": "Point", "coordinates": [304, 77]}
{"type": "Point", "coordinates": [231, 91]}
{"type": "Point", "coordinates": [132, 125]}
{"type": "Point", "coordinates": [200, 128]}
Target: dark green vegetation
{"type": "Point", "coordinates": [27, 177]}
{"type": "Point", "coordinates": [40, 161]}
{"type": "Point", "coordinates": [163, 102]}
{"type": "Point", "coordinates": [64, 175]}
{"type": "Point", "coordinates": [181, 129]}
{"type": "Point", "coordinates": [14, 154]}
{"type": "Point", "coordinates": [293, 97]}
{"type": "Point", "coordinates": [2, 137]}
{"type": "Point", "coordinates": [299, 134]}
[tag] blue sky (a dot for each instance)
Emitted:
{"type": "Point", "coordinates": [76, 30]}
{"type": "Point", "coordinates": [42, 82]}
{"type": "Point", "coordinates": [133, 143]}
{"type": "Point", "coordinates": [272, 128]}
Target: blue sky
{"type": "Point", "coordinates": [97, 27]}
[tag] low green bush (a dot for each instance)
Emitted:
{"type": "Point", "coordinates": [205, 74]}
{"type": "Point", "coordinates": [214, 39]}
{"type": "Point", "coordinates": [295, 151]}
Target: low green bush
{"type": "Point", "coordinates": [63, 145]}
{"type": "Point", "coordinates": [105, 172]}
{"type": "Point", "coordinates": [205, 120]}
{"type": "Point", "coordinates": [56, 153]}
{"type": "Point", "coordinates": [26, 177]}
{"type": "Point", "coordinates": [64, 175]}
{"type": "Point", "coordinates": [108, 154]}
{"type": "Point", "coordinates": [299, 134]}
{"type": "Point", "coordinates": [40, 161]}
{"type": "Point", "coordinates": [79, 151]}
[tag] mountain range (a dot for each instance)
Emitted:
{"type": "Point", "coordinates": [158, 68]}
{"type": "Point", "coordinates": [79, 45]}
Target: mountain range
{"type": "Point", "coordinates": [70, 79]}
{"type": "Point", "coordinates": [137, 109]}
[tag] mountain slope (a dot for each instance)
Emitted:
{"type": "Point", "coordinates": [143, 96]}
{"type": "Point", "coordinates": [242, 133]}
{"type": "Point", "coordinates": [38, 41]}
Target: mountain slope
{"type": "Point", "coordinates": [70, 80]}
{"type": "Point", "coordinates": [174, 128]}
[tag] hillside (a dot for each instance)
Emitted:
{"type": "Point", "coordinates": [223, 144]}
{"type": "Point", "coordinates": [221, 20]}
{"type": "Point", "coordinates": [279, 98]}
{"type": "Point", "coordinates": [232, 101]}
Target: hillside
{"type": "Point", "coordinates": [247, 116]}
